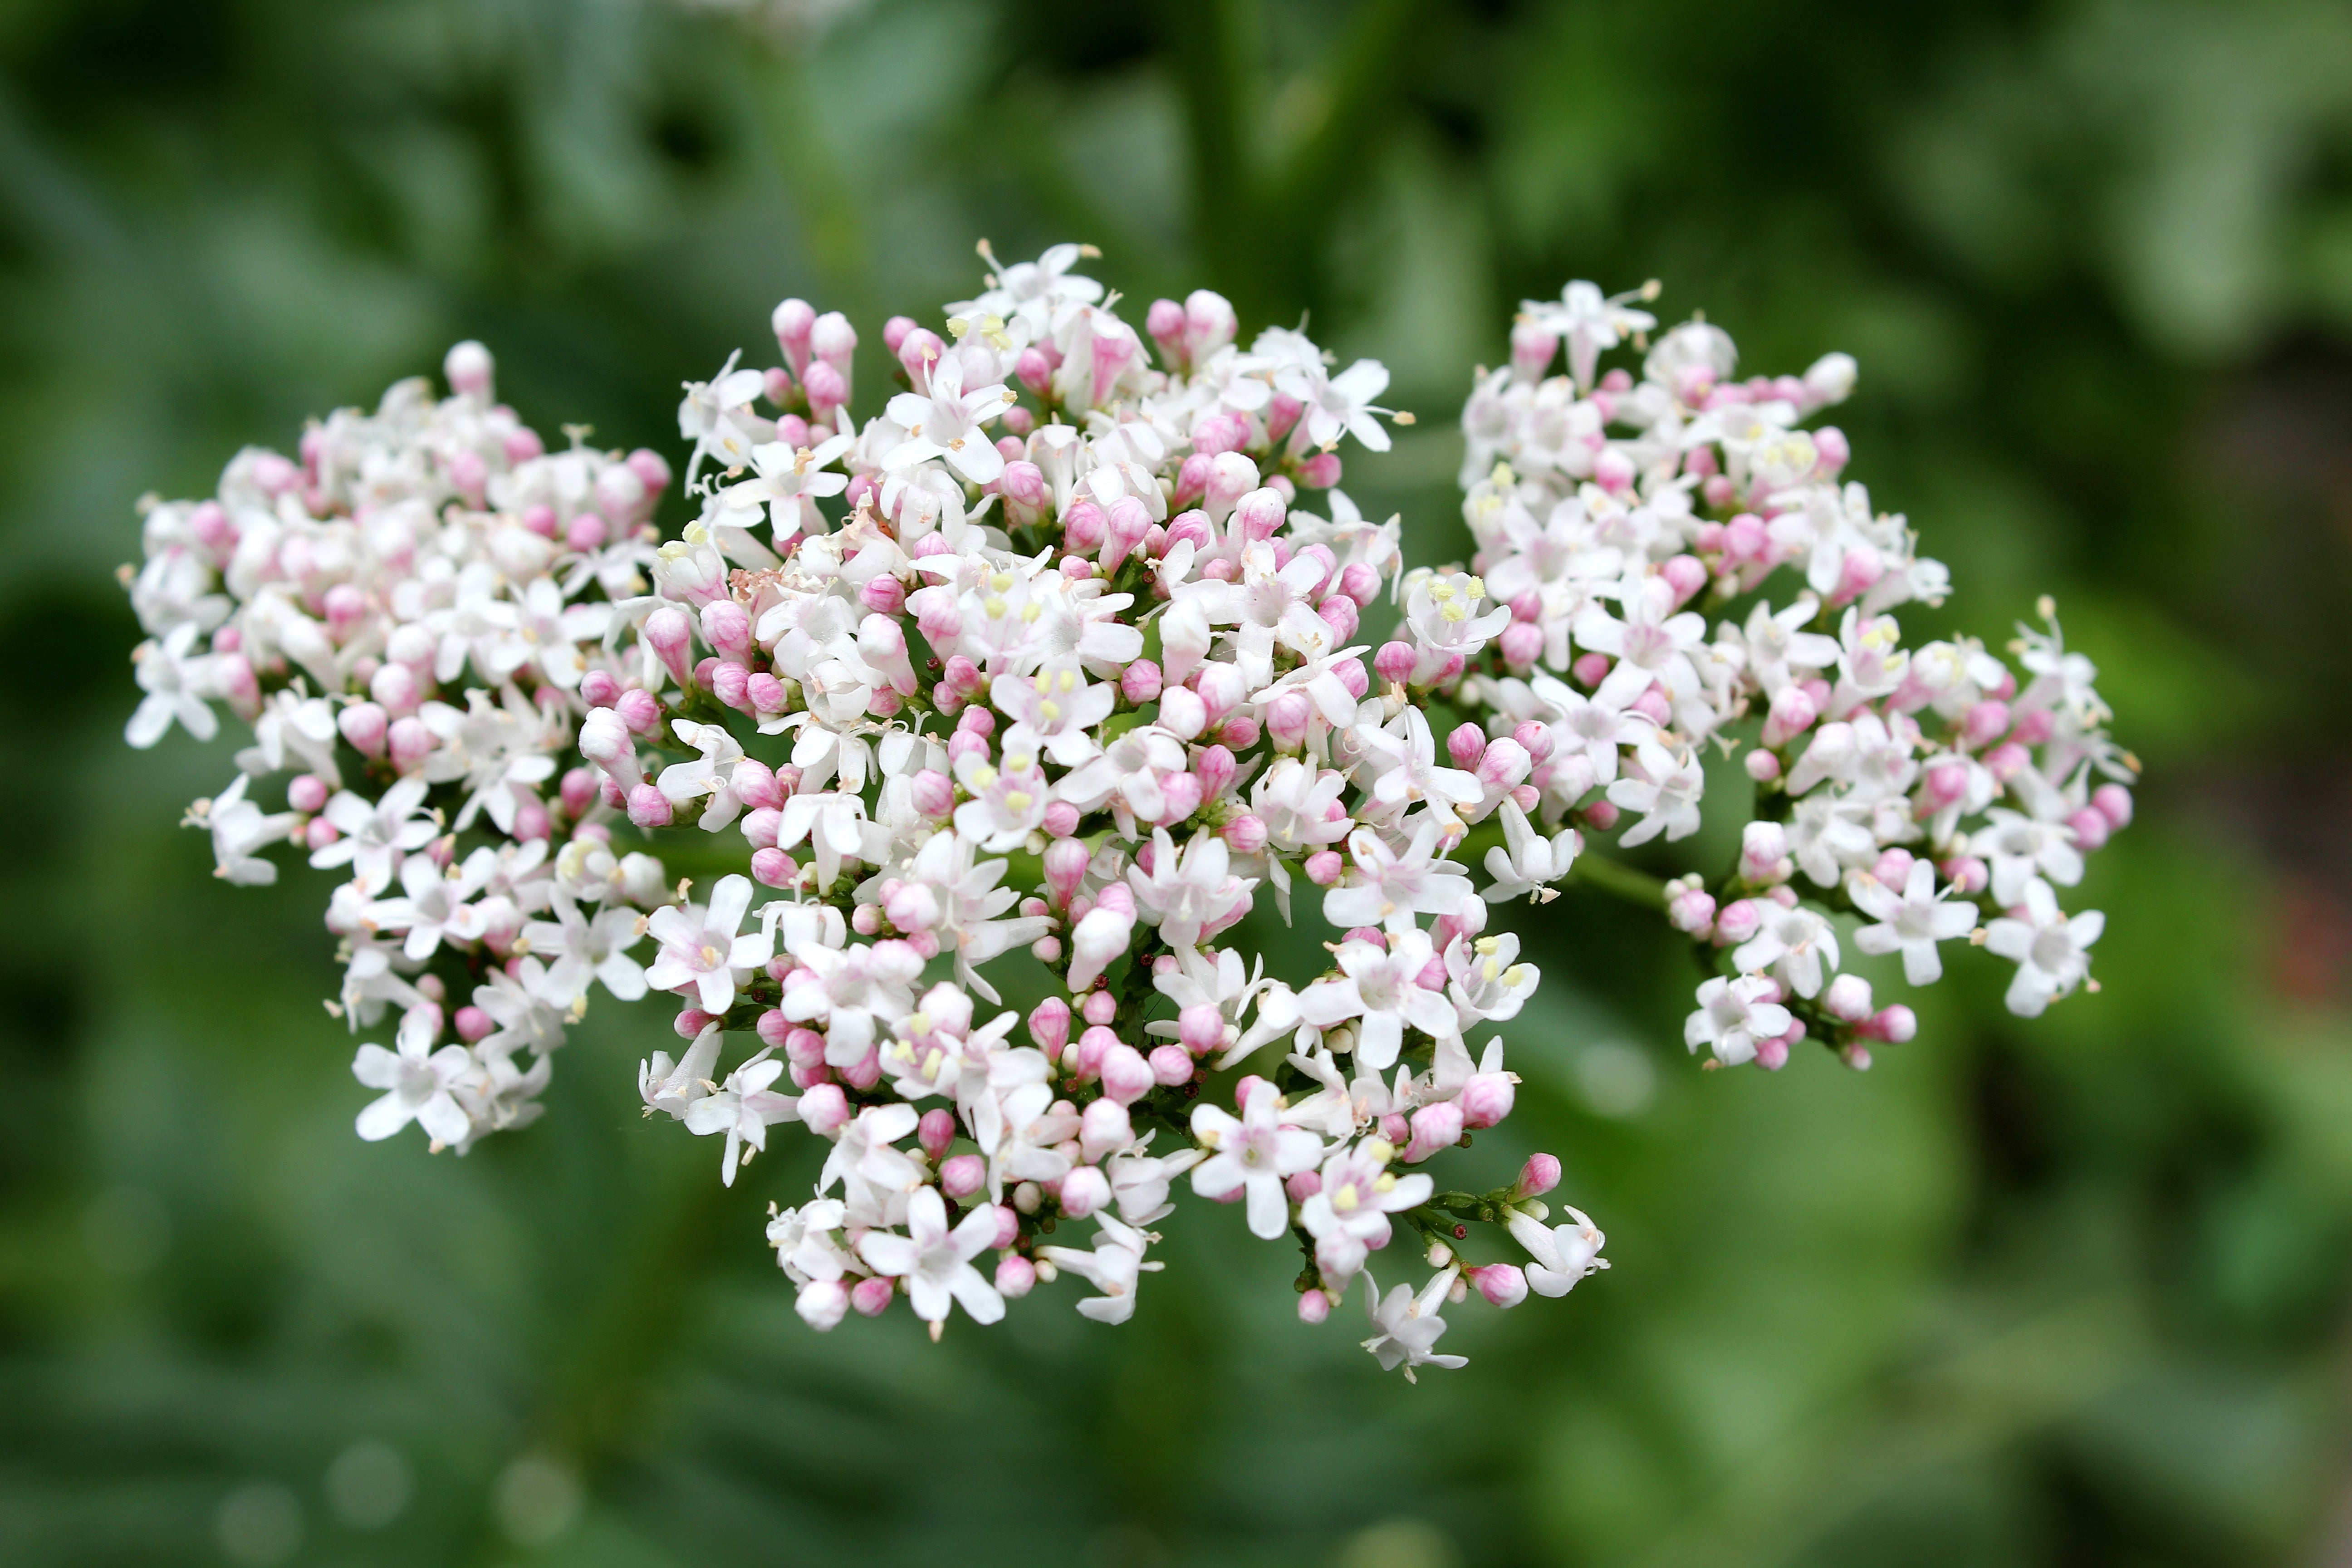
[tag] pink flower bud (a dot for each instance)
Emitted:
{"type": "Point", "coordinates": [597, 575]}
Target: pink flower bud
{"type": "Point", "coordinates": [1323, 868]}
{"type": "Point", "coordinates": [731, 684]}
{"type": "Point", "coordinates": [824, 1108]}
{"type": "Point", "coordinates": [1123, 529]}
{"type": "Point", "coordinates": [773, 868]}
{"type": "Point", "coordinates": [1601, 815]}
{"type": "Point", "coordinates": [871, 1297]}
{"type": "Point", "coordinates": [1181, 792]}
{"type": "Point", "coordinates": [1691, 910]}
{"type": "Point", "coordinates": [317, 833]}
{"type": "Point", "coordinates": [1215, 768]}
{"type": "Point", "coordinates": [2090, 826]}
{"type": "Point", "coordinates": [1848, 998]}
{"type": "Point", "coordinates": [1049, 1025]}
{"type": "Point", "coordinates": [1245, 834]}
{"type": "Point", "coordinates": [1502, 1284]}
{"type": "Point", "coordinates": [1319, 472]}
{"type": "Point", "coordinates": [1465, 745]}
{"type": "Point", "coordinates": [1590, 669]}
{"type": "Point", "coordinates": [1435, 1127]}
{"type": "Point", "coordinates": [1140, 681]}
{"type": "Point", "coordinates": [1983, 723]}
{"type": "Point", "coordinates": [409, 743]}
{"type": "Point", "coordinates": [936, 1130]}
{"type": "Point", "coordinates": [577, 793]}
{"type": "Point", "coordinates": [1531, 350]}
{"type": "Point", "coordinates": [1793, 711]}
{"type": "Point", "coordinates": [2034, 728]}
{"type": "Point", "coordinates": [1182, 713]}
{"type": "Point", "coordinates": [1008, 1225]}
{"type": "Point", "coordinates": [1171, 1067]}
{"type": "Point", "coordinates": [1540, 1175]}
{"type": "Point", "coordinates": [1127, 1077]}
{"type": "Point", "coordinates": [964, 1176]}
{"type": "Point", "coordinates": [1015, 1277]}
{"type": "Point", "coordinates": [1486, 1100]}
{"type": "Point", "coordinates": [1894, 1024]}
{"type": "Point", "coordinates": [1314, 1306]}
{"type": "Point", "coordinates": [1261, 512]}
{"type": "Point", "coordinates": [364, 725]}
{"type": "Point", "coordinates": [1685, 574]}
{"type": "Point", "coordinates": [1395, 662]}
{"type": "Point", "coordinates": [1521, 644]}
{"type": "Point", "coordinates": [2113, 802]}
{"type": "Point", "coordinates": [670, 635]}
{"type": "Point", "coordinates": [648, 807]}
{"type": "Point", "coordinates": [1361, 581]}
{"type": "Point", "coordinates": [1287, 720]}
{"type": "Point", "coordinates": [472, 1025]}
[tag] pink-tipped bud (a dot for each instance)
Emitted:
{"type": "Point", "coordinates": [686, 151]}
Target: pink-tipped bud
{"type": "Point", "coordinates": [1361, 581]}
{"type": "Point", "coordinates": [1502, 1284]}
{"type": "Point", "coordinates": [936, 1130]}
{"type": "Point", "coordinates": [1084, 528]}
{"type": "Point", "coordinates": [1245, 834]}
{"type": "Point", "coordinates": [964, 1176]}
{"type": "Point", "coordinates": [1083, 1190]}
{"type": "Point", "coordinates": [1124, 528]}
{"type": "Point", "coordinates": [577, 793]}
{"type": "Point", "coordinates": [1319, 472]}
{"type": "Point", "coordinates": [639, 712]}
{"type": "Point", "coordinates": [824, 1108]}
{"type": "Point", "coordinates": [1127, 1077]}
{"type": "Point", "coordinates": [648, 807]}
{"type": "Point", "coordinates": [1793, 712]}
{"type": "Point", "coordinates": [1065, 867]}
{"type": "Point", "coordinates": [1395, 662]}
{"type": "Point", "coordinates": [1486, 1100]}
{"type": "Point", "coordinates": [671, 636]}
{"type": "Point", "coordinates": [1761, 766]}
{"type": "Point", "coordinates": [1502, 765]}
{"type": "Point", "coordinates": [2114, 802]}
{"type": "Point", "coordinates": [408, 742]}
{"type": "Point", "coordinates": [1034, 371]}
{"type": "Point", "coordinates": [1540, 1175]}
{"type": "Point", "coordinates": [1983, 723]}
{"type": "Point", "coordinates": [871, 1297]}
{"type": "Point", "coordinates": [2090, 826]}
{"type": "Point", "coordinates": [1521, 644]}
{"type": "Point", "coordinates": [1465, 745]}
{"type": "Point", "coordinates": [774, 868]}
{"type": "Point", "coordinates": [1314, 1306]}
{"type": "Point", "coordinates": [598, 688]}
{"type": "Point", "coordinates": [1105, 1129]}
{"type": "Point", "coordinates": [1140, 682]}
{"type": "Point", "coordinates": [1100, 1007]}
{"type": "Point", "coordinates": [1288, 718]}
{"type": "Point", "coordinates": [1260, 513]}
{"type": "Point", "coordinates": [1214, 767]}
{"type": "Point", "coordinates": [1894, 1024]}
{"type": "Point", "coordinates": [1847, 998]}
{"type": "Point", "coordinates": [1182, 713]}
{"type": "Point", "coordinates": [1171, 1067]}
{"type": "Point", "coordinates": [1015, 1277]}
{"type": "Point", "coordinates": [1049, 1025]}
{"type": "Point", "coordinates": [1435, 1127]}
{"type": "Point", "coordinates": [363, 724]}
{"type": "Point", "coordinates": [1764, 853]}
{"type": "Point", "coordinates": [1691, 910]}
{"type": "Point", "coordinates": [1589, 668]}
{"type": "Point", "coordinates": [1201, 1029]}
{"type": "Point", "coordinates": [1323, 868]}
{"type": "Point", "coordinates": [1613, 471]}
{"type": "Point", "coordinates": [1532, 347]}
{"type": "Point", "coordinates": [1685, 574]}
{"type": "Point", "coordinates": [731, 684]}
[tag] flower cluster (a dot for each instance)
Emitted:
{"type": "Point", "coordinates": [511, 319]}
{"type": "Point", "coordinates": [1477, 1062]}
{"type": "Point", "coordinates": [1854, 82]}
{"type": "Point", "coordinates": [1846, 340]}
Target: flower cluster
{"type": "Point", "coordinates": [1055, 651]}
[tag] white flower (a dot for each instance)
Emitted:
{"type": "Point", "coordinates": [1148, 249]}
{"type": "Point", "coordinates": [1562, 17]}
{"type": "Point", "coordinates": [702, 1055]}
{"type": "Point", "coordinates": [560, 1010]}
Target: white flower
{"type": "Point", "coordinates": [674, 1087]}
{"type": "Point", "coordinates": [1405, 1326]}
{"type": "Point", "coordinates": [1591, 322]}
{"type": "Point", "coordinates": [936, 1262]}
{"type": "Point", "coordinates": [1734, 1017]}
{"type": "Point", "coordinates": [1793, 941]}
{"type": "Point", "coordinates": [712, 773]}
{"type": "Point", "coordinates": [743, 1108]}
{"type": "Point", "coordinates": [1910, 922]}
{"type": "Point", "coordinates": [862, 1153]}
{"type": "Point", "coordinates": [1385, 990]}
{"type": "Point", "coordinates": [1595, 726]}
{"type": "Point", "coordinates": [176, 683]}
{"type": "Point", "coordinates": [1561, 1255]}
{"type": "Point", "coordinates": [1113, 1267]}
{"type": "Point", "coordinates": [239, 828]}
{"type": "Point", "coordinates": [435, 909]}
{"type": "Point", "coordinates": [579, 948]}
{"type": "Point", "coordinates": [1666, 788]}
{"type": "Point", "coordinates": [376, 835]}
{"type": "Point", "coordinates": [1394, 887]}
{"type": "Point", "coordinates": [948, 423]}
{"type": "Point", "coordinates": [1488, 981]}
{"type": "Point", "coordinates": [1528, 862]}
{"type": "Point", "coordinates": [416, 1081]}
{"type": "Point", "coordinates": [1191, 896]}
{"type": "Point", "coordinates": [1253, 1154]}
{"type": "Point", "coordinates": [702, 951]}
{"type": "Point", "coordinates": [1347, 1214]}
{"type": "Point", "coordinates": [2052, 951]}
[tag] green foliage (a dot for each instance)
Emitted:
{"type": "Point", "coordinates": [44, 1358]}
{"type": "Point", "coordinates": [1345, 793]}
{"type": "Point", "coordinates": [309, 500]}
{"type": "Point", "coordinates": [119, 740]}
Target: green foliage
{"type": "Point", "coordinates": [2065, 1291]}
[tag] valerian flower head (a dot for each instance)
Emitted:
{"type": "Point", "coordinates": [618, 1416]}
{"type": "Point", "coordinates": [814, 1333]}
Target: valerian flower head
{"type": "Point", "coordinates": [1058, 650]}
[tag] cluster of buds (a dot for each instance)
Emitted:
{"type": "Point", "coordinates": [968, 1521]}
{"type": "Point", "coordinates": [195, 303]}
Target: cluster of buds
{"type": "Point", "coordinates": [1059, 651]}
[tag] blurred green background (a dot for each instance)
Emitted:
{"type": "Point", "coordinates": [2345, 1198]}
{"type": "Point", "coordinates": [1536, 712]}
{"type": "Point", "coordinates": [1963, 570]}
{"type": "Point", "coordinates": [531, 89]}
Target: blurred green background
{"type": "Point", "coordinates": [2073, 1291]}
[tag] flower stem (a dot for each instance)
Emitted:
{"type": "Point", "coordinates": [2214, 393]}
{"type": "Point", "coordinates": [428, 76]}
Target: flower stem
{"type": "Point", "coordinates": [1619, 880]}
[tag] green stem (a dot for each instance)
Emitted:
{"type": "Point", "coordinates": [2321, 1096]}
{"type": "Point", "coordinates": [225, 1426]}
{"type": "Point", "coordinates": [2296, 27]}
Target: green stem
{"type": "Point", "coordinates": [1619, 880]}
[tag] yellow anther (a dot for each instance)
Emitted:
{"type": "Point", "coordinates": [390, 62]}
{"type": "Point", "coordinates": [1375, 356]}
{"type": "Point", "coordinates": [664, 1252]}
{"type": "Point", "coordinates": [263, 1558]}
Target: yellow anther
{"type": "Point", "coordinates": [1017, 801]}
{"type": "Point", "coordinates": [1345, 1200]}
{"type": "Point", "coordinates": [1049, 711]}
{"type": "Point", "coordinates": [1069, 680]}
{"type": "Point", "coordinates": [992, 606]}
{"type": "Point", "coordinates": [1385, 1182]}
{"type": "Point", "coordinates": [1001, 582]}
{"type": "Point", "coordinates": [984, 776]}
{"type": "Point", "coordinates": [1021, 763]}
